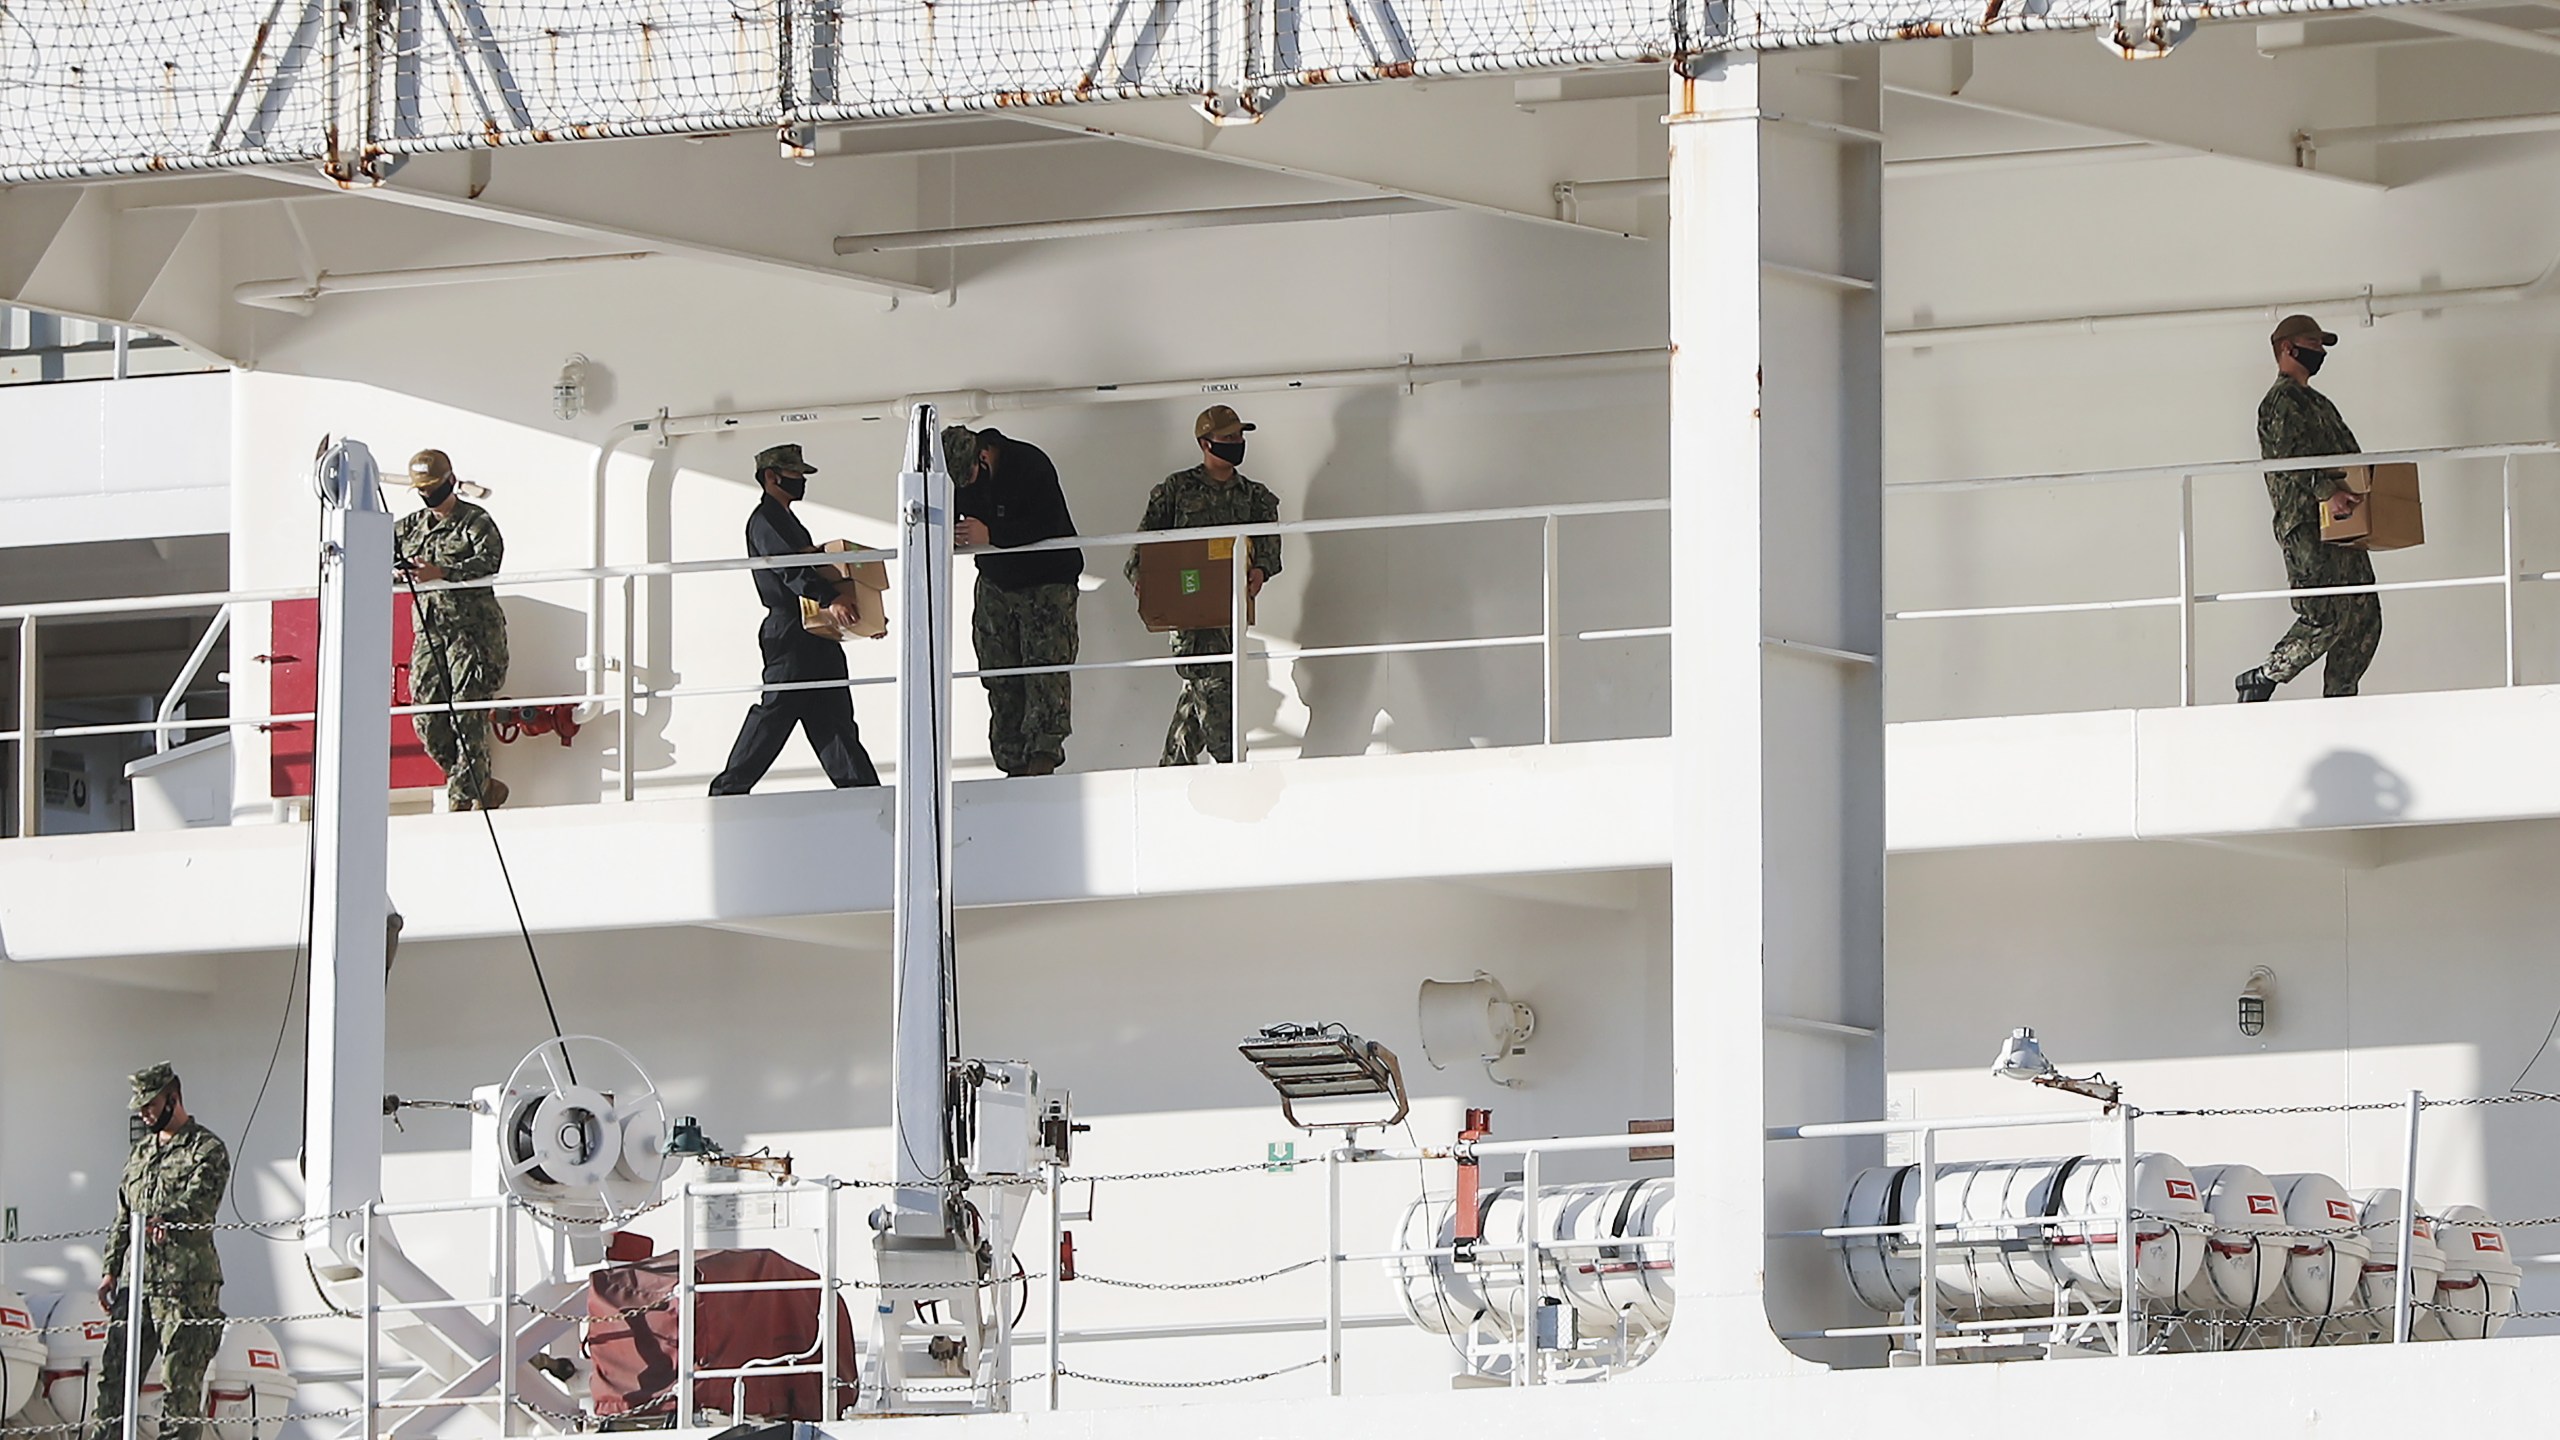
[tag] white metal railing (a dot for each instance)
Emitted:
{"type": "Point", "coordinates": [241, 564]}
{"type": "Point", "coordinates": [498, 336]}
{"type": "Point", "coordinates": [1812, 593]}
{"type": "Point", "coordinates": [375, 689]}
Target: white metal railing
{"type": "Point", "coordinates": [627, 693]}
{"type": "Point", "coordinates": [1526, 1352]}
{"type": "Point", "coordinates": [2187, 598]}
{"type": "Point", "coordinates": [827, 1284]}
{"type": "Point", "coordinates": [1927, 1324]}
{"type": "Point", "coordinates": [830, 1283]}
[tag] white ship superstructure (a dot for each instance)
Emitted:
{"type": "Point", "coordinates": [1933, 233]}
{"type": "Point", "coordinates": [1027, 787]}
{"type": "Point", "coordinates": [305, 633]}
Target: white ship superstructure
{"type": "Point", "coordinates": [1771, 510]}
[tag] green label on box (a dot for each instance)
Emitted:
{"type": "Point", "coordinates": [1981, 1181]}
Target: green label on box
{"type": "Point", "coordinates": [1190, 582]}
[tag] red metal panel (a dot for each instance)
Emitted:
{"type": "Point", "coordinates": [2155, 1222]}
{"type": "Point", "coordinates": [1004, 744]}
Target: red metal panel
{"type": "Point", "coordinates": [632, 1336]}
{"type": "Point", "coordinates": [293, 688]}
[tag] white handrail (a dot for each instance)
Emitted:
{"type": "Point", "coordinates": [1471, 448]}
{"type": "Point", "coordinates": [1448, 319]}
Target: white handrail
{"type": "Point", "coordinates": [177, 695]}
{"type": "Point", "coordinates": [628, 691]}
{"type": "Point", "coordinates": [208, 599]}
{"type": "Point", "coordinates": [1527, 1367]}
{"type": "Point", "coordinates": [2185, 601]}
{"type": "Point", "coordinates": [1930, 1232]}
{"type": "Point", "coordinates": [2228, 467]}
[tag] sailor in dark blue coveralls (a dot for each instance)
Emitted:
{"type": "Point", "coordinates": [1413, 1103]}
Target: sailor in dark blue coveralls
{"type": "Point", "coordinates": [791, 653]}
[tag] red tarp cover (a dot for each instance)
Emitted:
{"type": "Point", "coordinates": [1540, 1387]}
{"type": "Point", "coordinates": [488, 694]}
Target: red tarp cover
{"type": "Point", "coordinates": [635, 1355]}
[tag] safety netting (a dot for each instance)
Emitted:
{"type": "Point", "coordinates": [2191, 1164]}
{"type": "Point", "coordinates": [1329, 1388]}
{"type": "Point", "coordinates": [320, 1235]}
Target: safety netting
{"type": "Point", "coordinates": [94, 88]}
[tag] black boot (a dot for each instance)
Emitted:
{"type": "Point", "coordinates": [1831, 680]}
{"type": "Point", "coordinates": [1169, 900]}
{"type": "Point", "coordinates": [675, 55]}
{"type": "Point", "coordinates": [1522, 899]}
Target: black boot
{"type": "Point", "coordinates": [2254, 686]}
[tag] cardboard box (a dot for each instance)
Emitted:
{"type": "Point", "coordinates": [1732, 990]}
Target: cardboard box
{"type": "Point", "coordinates": [1188, 585]}
{"type": "Point", "coordinates": [2390, 518]}
{"type": "Point", "coordinates": [866, 583]}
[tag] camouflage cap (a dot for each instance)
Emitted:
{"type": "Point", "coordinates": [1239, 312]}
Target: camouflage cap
{"type": "Point", "coordinates": [959, 450]}
{"type": "Point", "coordinates": [1216, 420]}
{"type": "Point", "coordinates": [149, 1081]}
{"type": "Point", "coordinates": [2300, 327]}
{"type": "Point", "coordinates": [429, 467]}
{"type": "Point", "coordinates": [785, 458]}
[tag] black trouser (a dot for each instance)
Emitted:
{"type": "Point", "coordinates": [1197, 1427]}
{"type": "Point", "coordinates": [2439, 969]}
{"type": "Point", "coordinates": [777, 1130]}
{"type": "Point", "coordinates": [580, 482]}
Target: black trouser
{"type": "Point", "coordinates": [825, 716]}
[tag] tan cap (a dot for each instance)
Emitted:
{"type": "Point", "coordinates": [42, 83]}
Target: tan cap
{"type": "Point", "coordinates": [429, 467]}
{"type": "Point", "coordinates": [2301, 327]}
{"type": "Point", "coordinates": [1216, 420]}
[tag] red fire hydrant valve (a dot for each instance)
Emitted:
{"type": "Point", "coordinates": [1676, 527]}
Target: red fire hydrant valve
{"type": "Point", "coordinates": [511, 723]}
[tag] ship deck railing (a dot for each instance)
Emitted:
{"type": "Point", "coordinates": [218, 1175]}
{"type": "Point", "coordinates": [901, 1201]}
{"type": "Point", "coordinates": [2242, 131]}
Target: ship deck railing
{"type": "Point", "coordinates": [1550, 641]}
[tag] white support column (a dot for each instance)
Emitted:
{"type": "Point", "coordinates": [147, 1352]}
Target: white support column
{"type": "Point", "coordinates": [918, 1246]}
{"type": "Point", "coordinates": [922, 997]}
{"type": "Point", "coordinates": [351, 806]}
{"type": "Point", "coordinates": [29, 755]}
{"type": "Point", "coordinates": [1778, 846]}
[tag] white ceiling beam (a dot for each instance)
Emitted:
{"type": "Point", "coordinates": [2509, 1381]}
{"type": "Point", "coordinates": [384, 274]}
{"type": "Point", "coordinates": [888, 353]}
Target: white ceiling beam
{"type": "Point", "coordinates": [1183, 134]}
{"type": "Point", "coordinates": [1619, 891]}
{"type": "Point", "coordinates": [618, 237]}
{"type": "Point", "coordinates": [860, 933]}
{"type": "Point", "coordinates": [2467, 28]}
{"type": "Point", "coordinates": [2413, 132]}
{"type": "Point", "coordinates": [2279, 42]}
{"type": "Point", "coordinates": [2328, 849]}
{"type": "Point", "coordinates": [1912, 167]}
{"type": "Point", "coordinates": [1075, 229]}
{"type": "Point", "coordinates": [2013, 112]}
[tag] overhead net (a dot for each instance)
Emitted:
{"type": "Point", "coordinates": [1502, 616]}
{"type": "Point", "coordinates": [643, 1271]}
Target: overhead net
{"type": "Point", "coordinates": [102, 87]}
{"type": "Point", "coordinates": [867, 58]}
{"type": "Point", "coordinates": [144, 85]}
{"type": "Point", "coordinates": [458, 74]}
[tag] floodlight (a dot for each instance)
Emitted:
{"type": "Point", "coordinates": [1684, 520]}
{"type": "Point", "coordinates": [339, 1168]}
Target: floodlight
{"type": "Point", "coordinates": [1324, 1062]}
{"type": "Point", "coordinates": [2023, 1059]}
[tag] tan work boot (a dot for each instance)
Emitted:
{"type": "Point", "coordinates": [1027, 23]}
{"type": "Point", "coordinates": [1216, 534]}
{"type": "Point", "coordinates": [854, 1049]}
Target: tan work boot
{"type": "Point", "coordinates": [493, 794]}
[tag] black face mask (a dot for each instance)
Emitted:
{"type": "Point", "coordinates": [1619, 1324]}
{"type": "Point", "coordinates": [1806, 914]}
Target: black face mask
{"type": "Point", "coordinates": [795, 486]}
{"type": "Point", "coordinates": [1231, 451]}
{"type": "Point", "coordinates": [442, 492]}
{"type": "Point", "coordinates": [2310, 360]}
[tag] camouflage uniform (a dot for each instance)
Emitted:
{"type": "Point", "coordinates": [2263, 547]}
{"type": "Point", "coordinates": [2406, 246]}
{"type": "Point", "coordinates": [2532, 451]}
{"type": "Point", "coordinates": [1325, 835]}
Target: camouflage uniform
{"type": "Point", "coordinates": [1204, 714]}
{"type": "Point", "coordinates": [1028, 716]}
{"type": "Point", "coordinates": [1025, 611]}
{"type": "Point", "coordinates": [2295, 420]}
{"type": "Point", "coordinates": [460, 649]}
{"type": "Point", "coordinates": [179, 1179]}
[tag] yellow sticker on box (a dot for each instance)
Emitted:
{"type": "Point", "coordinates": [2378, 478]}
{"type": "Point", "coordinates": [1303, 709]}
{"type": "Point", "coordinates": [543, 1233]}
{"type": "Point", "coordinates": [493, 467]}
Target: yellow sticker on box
{"type": "Point", "coordinates": [1223, 548]}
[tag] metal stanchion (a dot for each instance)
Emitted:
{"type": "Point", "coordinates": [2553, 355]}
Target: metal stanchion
{"type": "Point", "coordinates": [2403, 1297]}
{"type": "Point", "coordinates": [684, 1310]}
{"type": "Point", "coordinates": [1057, 1264]}
{"type": "Point", "coordinates": [137, 1234]}
{"type": "Point", "coordinates": [372, 1331]}
{"type": "Point", "coordinates": [1928, 1217]}
{"type": "Point", "coordinates": [1333, 1271]}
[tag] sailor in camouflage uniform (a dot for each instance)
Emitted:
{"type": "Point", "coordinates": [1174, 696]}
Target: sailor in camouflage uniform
{"type": "Point", "coordinates": [459, 650]}
{"type": "Point", "coordinates": [1023, 612]}
{"type": "Point", "coordinates": [2295, 420]}
{"type": "Point", "coordinates": [175, 1176]}
{"type": "Point", "coordinates": [1213, 492]}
